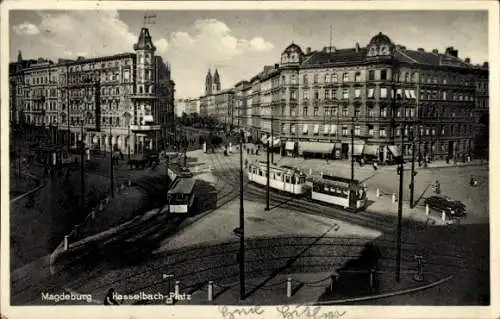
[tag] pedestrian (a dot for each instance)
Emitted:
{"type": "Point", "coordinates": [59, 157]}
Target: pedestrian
{"type": "Point", "coordinates": [109, 299]}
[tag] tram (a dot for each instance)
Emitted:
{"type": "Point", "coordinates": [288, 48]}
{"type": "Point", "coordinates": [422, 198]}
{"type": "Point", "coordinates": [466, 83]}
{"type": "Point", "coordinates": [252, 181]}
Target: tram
{"type": "Point", "coordinates": [339, 191]}
{"type": "Point", "coordinates": [181, 196]}
{"type": "Point", "coordinates": [51, 156]}
{"type": "Point", "coordinates": [282, 178]}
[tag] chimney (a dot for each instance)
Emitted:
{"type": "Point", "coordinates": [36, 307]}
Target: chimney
{"type": "Point", "coordinates": [357, 46]}
{"type": "Point", "coordinates": [451, 51]}
{"type": "Point", "coordinates": [435, 51]}
{"type": "Point", "coordinates": [420, 50]}
{"type": "Point", "coordinates": [308, 50]}
{"type": "Point", "coordinates": [276, 66]}
{"type": "Point", "coordinates": [467, 60]}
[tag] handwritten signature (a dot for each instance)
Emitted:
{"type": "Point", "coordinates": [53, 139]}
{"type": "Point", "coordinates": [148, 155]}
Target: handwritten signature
{"type": "Point", "coordinates": [286, 312]}
{"type": "Point", "coordinates": [292, 312]}
{"type": "Point", "coordinates": [232, 313]}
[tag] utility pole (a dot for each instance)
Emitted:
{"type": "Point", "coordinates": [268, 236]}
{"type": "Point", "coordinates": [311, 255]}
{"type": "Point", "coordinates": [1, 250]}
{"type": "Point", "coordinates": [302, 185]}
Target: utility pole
{"type": "Point", "coordinates": [82, 170]}
{"type": "Point", "coordinates": [166, 171]}
{"type": "Point", "coordinates": [242, 225]}
{"type": "Point", "coordinates": [352, 150]}
{"type": "Point", "coordinates": [268, 177]}
{"type": "Point", "coordinates": [400, 208]}
{"type": "Point", "coordinates": [272, 135]}
{"type": "Point", "coordinates": [68, 108]}
{"type": "Point", "coordinates": [413, 173]}
{"type": "Point", "coordinates": [128, 140]}
{"type": "Point", "coordinates": [111, 177]}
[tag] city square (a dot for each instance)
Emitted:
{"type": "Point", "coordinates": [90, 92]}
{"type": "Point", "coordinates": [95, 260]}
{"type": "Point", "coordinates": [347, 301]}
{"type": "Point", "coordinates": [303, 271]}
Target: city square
{"type": "Point", "coordinates": [353, 173]}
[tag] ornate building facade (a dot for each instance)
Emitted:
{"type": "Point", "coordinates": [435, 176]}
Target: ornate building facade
{"type": "Point", "coordinates": [386, 94]}
{"type": "Point", "coordinates": [124, 101]}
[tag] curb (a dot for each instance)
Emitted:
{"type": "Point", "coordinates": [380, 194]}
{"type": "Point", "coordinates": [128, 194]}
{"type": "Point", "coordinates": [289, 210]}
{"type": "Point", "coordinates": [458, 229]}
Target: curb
{"type": "Point", "coordinates": [37, 188]}
{"type": "Point", "coordinates": [384, 295]}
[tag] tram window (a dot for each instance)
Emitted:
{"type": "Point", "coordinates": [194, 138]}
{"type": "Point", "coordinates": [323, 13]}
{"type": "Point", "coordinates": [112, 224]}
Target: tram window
{"type": "Point", "coordinates": [302, 180]}
{"type": "Point", "coordinates": [287, 179]}
{"type": "Point", "coordinates": [293, 179]}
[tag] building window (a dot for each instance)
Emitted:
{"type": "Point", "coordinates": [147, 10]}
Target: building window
{"type": "Point", "coordinates": [334, 78]}
{"type": "Point", "coordinates": [316, 94]}
{"type": "Point", "coordinates": [316, 111]}
{"type": "Point", "coordinates": [292, 111]}
{"type": "Point", "coordinates": [371, 75]}
{"type": "Point", "coordinates": [327, 112]}
{"type": "Point", "coordinates": [304, 111]}
{"type": "Point", "coordinates": [357, 77]}
{"type": "Point", "coordinates": [383, 93]}
{"type": "Point", "coordinates": [315, 79]}
{"type": "Point", "coordinates": [305, 80]}
{"type": "Point", "coordinates": [357, 112]}
{"type": "Point", "coordinates": [327, 78]}
{"type": "Point", "coordinates": [306, 95]}
{"type": "Point", "coordinates": [383, 74]}
{"type": "Point", "coordinates": [371, 112]}
{"type": "Point", "coordinates": [345, 131]}
{"type": "Point", "coordinates": [345, 111]}
{"type": "Point", "coordinates": [371, 93]}
{"type": "Point", "coordinates": [293, 79]}
{"type": "Point", "coordinates": [357, 130]}
{"type": "Point", "coordinates": [345, 77]}
{"type": "Point", "coordinates": [357, 93]}
{"type": "Point", "coordinates": [335, 111]}
{"type": "Point", "coordinates": [382, 132]}
{"type": "Point", "coordinates": [370, 130]}
{"type": "Point", "coordinates": [293, 95]}
{"type": "Point", "coordinates": [334, 94]}
{"type": "Point", "coordinates": [345, 94]}
{"type": "Point", "coordinates": [444, 95]}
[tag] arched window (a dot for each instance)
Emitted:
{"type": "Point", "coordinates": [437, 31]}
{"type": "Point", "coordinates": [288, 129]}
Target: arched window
{"type": "Point", "coordinates": [305, 79]}
{"type": "Point", "coordinates": [141, 90]}
{"type": "Point", "coordinates": [151, 88]}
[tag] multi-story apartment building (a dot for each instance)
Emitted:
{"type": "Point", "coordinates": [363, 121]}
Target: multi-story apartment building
{"type": "Point", "coordinates": [223, 106]}
{"type": "Point", "coordinates": [123, 101]}
{"type": "Point", "coordinates": [187, 106]}
{"type": "Point", "coordinates": [385, 94]}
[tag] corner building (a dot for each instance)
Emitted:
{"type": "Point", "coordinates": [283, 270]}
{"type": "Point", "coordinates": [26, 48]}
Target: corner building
{"type": "Point", "coordinates": [123, 101]}
{"type": "Point", "coordinates": [383, 92]}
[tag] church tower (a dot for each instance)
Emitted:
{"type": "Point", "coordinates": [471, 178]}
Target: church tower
{"type": "Point", "coordinates": [208, 83]}
{"type": "Point", "coordinates": [19, 56]}
{"type": "Point", "coordinates": [216, 82]}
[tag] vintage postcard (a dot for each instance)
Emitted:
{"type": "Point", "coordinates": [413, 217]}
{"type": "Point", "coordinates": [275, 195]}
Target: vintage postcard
{"type": "Point", "coordinates": [249, 159]}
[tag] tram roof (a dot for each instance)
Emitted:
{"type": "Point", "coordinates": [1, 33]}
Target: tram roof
{"type": "Point", "coordinates": [337, 181]}
{"type": "Point", "coordinates": [182, 186]}
{"type": "Point", "coordinates": [280, 168]}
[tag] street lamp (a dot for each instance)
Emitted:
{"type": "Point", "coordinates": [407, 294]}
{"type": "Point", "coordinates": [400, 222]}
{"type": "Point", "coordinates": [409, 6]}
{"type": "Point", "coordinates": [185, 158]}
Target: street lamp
{"type": "Point", "coordinates": [352, 149]}
{"type": "Point", "coordinates": [242, 224]}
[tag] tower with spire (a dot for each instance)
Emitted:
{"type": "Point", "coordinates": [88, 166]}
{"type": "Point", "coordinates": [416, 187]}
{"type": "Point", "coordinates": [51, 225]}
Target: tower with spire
{"type": "Point", "coordinates": [208, 83]}
{"type": "Point", "coordinates": [212, 83]}
{"type": "Point", "coordinates": [216, 82]}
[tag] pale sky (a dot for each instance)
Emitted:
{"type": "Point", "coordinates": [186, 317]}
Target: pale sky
{"type": "Point", "coordinates": [238, 43]}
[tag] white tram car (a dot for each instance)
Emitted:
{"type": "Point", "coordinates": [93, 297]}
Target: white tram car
{"type": "Point", "coordinates": [282, 178]}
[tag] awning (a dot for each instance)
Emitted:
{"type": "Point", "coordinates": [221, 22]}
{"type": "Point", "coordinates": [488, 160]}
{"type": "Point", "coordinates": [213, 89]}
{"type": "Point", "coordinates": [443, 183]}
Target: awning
{"type": "Point", "coordinates": [304, 129]}
{"type": "Point", "coordinates": [316, 128]}
{"type": "Point", "coordinates": [394, 150]}
{"type": "Point", "coordinates": [371, 150]}
{"type": "Point", "coordinates": [315, 147]}
{"type": "Point", "coordinates": [358, 149]}
{"type": "Point", "coordinates": [289, 146]}
{"type": "Point", "coordinates": [326, 129]}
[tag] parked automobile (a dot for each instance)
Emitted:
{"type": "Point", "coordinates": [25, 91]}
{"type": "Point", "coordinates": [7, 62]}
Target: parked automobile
{"type": "Point", "coordinates": [451, 207]}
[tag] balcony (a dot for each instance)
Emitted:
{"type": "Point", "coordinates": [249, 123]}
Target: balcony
{"type": "Point", "coordinates": [143, 96]}
{"type": "Point", "coordinates": [144, 128]}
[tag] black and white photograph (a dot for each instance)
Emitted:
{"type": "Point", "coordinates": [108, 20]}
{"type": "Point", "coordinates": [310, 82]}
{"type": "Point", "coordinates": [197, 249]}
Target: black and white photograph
{"type": "Point", "coordinates": [285, 162]}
